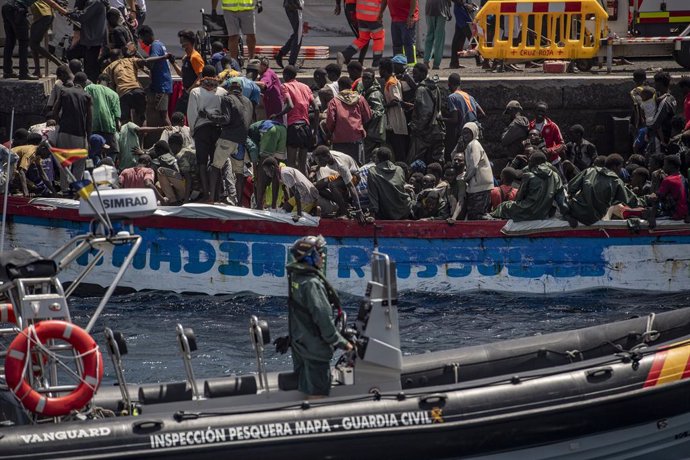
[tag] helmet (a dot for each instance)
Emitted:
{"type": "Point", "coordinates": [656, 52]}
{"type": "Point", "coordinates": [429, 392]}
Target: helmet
{"type": "Point", "coordinates": [306, 247]}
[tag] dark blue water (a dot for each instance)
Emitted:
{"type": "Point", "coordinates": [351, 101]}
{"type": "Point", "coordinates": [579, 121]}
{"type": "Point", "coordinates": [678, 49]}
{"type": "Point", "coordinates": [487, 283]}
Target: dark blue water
{"type": "Point", "coordinates": [427, 322]}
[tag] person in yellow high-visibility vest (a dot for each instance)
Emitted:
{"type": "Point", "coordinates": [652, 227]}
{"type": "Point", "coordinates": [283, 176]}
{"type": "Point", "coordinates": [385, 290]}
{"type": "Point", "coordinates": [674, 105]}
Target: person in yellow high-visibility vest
{"type": "Point", "coordinates": [240, 18]}
{"type": "Point", "coordinates": [369, 18]}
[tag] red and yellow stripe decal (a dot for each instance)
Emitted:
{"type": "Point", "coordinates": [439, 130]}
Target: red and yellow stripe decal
{"type": "Point", "coordinates": [669, 366]}
{"type": "Point", "coordinates": [662, 17]}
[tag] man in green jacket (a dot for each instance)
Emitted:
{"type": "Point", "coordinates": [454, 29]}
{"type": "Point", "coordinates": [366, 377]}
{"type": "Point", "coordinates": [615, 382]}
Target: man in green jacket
{"type": "Point", "coordinates": [540, 187]}
{"type": "Point", "coordinates": [313, 334]}
{"type": "Point", "coordinates": [593, 191]}
{"type": "Point", "coordinates": [386, 181]}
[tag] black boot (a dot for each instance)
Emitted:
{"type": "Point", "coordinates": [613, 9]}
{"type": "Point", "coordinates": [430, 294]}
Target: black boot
{"type": "Point", "coordinates": [376, 61]}
{"type": "Point", "coordinates": [346, 55]}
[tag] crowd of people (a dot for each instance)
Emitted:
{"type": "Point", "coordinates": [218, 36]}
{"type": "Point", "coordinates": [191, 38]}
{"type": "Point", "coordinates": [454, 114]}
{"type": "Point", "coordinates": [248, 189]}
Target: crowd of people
{"type": "Point", "coordinates": [383, 142]}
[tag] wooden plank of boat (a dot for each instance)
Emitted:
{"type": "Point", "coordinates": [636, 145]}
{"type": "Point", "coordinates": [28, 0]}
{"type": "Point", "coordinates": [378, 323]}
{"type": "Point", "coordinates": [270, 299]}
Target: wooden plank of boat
{"type": "Point", "coordinates": [221, 255]}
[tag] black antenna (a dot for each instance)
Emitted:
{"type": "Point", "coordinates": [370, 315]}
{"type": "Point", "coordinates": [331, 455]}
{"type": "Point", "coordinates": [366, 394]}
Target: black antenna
{"type": "Point", "coordinates": [376, 236]}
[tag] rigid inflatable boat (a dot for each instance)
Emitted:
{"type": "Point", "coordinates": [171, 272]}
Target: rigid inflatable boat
{"type": "Point", "coordinates": [617, 390]}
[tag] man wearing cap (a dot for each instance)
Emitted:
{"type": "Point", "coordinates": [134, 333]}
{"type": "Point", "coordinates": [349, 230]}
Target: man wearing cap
{"type": "Point", "coordinates": [311, 303]}
{"type": "Point", "coordinates": [234, 119]}
{"type": "Point", "coordinates": [516, 131]}
{"type": "Point", "coordinates": [240, 18]}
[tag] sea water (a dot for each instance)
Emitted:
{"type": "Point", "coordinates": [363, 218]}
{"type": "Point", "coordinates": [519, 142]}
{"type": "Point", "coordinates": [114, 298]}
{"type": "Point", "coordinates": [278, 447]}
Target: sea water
{"type": "Point", "coordinates": [428, 322]}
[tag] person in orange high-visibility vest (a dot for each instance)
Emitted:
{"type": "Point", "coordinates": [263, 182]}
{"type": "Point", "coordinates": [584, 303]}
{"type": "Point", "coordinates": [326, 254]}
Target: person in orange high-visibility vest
{"type": "Point", "coordinates": [369, 17]}
{"type": "Point", "coordinates": [351, 16]}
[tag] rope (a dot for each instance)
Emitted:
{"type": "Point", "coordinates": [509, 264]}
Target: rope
{"type": "Point", "coordinates": [33, 337]}
{"type": "Point", "coordinates": [650, 335]}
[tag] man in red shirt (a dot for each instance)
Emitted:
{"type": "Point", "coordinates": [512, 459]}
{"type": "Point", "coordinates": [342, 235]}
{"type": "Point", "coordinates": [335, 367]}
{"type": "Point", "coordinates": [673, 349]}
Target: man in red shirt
{"type": "Point", "coordinates": [505, 191]}
{"type": "Point", "coordinates": [550, 132]}
{"type": "Point", "coordinates": [300, 127]}
{"type": "Point", "coordinates": [684, 85]}
{"type": "Point", "coordinates": [672, 191]}
{"type": "Point", "coordinates": [404, 17]}
{"type": "Point", "coordinates": [141, 176]}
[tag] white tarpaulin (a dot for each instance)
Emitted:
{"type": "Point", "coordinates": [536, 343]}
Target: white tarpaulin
{"type": "Point", "coordinates": [556, 225]}
{"type": "Point", "coordinates": [200, 211]}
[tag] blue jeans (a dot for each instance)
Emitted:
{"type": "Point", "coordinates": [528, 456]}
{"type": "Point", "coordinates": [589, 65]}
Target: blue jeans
{"type": "Point", "coordinates": [404, 39]}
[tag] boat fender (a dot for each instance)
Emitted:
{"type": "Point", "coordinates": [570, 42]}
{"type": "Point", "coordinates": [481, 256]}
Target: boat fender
{"type": "Point", "coordinates": [16, 364]}
{"type": "Point", "coordinates": [7, 313]}
{"type": "Point", "coordinates": [287, 381]}
{"type": "Point", "coordinates": [233, 386]}
{"type": "Point", "coordinates": [165, 393]}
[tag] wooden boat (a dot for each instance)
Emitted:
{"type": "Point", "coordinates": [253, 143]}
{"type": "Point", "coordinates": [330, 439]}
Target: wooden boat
{"type": "Point", "coordinates": [228, 249]}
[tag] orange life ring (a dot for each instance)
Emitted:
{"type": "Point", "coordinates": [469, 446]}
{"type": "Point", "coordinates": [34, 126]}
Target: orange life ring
{"type": "Point", "coordinates": [84, 345]}
{"type": "Point", "coordinates": [7, 313]}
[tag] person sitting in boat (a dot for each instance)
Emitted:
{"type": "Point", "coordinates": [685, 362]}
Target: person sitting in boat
{"type": "Point", "coordinates": [672, 194]}
{"type": "Point", "coordinates": [141, 176]}
{"type": "Point", "coordinates": [388, 199]}
{"type": "Point", "coordinates": [32, 175]}
{"type": "Point", "coordinates": [430, 205]}
{"type": "Point", "coordinates": [187, 165]}
{"type": "Point", "coordinates": [303, 194]}
{"type": "Point", "coordinates": [168, 178]}
{"type": "Point", "coordinates": [550, 132]}
{"type": "Point", "coordinates": [592, 192]}
{"type": "Point", "coordinates": [311, 302]}
{"type": "Point", "coordinates": [505, 190]}
{"type": "Point", "coordinates": [540, 187]}
{"type": "Point", "coordinates": [336, 178]}
{"type": "Point", "coordinates": [458, 208]}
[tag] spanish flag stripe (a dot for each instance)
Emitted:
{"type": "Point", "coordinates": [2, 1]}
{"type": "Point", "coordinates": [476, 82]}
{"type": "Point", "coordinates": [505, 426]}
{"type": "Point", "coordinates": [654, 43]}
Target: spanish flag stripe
{"type": "Point", "coordinates": [674, 365]}
{"type": "Point", "coordinates": [655, 371]}
{"type": "Point", "coordinates": [68, 156]}
{"type": "Point", "coordinates": [686, 372]}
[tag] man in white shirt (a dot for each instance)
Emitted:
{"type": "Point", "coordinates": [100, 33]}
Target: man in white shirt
{"type": "Point", "coordinates": [303, 194]}
{"type": "Point", "coordinates": [336, 178]}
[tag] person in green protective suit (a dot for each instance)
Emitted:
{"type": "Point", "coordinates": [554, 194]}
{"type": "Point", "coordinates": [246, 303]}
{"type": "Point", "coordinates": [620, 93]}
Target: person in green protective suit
{"type": "Point", "coordinates": [592, 192]}
{"type": "Point", "coordinates": [311, 302]}
{"type": "Point", "coordinates": [541, 186]}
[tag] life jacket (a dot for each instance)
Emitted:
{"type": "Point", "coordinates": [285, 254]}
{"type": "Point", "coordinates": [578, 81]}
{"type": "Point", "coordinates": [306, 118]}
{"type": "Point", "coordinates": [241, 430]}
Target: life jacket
{"type": "Point", "coordinates": [368, 10]}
